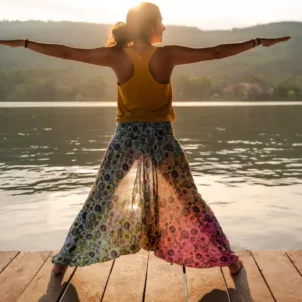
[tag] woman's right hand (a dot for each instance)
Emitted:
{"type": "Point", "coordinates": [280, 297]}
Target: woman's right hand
{"type": "Point", "coordinates": [269, 42]}
{"type": "Point", "coordinates": [12, 43]}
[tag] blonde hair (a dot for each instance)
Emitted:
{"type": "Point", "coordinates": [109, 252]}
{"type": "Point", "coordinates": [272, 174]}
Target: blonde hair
{"type": "Point", "coordinates": [139, 23]}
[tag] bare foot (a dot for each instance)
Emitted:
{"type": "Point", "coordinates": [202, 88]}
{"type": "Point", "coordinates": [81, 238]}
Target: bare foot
{"type": "Point", "coordinates": [59, 269]}
{"type": "Point", "coordinates": [235, 267]}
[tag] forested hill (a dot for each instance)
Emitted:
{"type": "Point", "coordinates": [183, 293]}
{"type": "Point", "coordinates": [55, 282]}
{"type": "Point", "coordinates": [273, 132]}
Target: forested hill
{"type": "Point", "coordinates": [267, 66]}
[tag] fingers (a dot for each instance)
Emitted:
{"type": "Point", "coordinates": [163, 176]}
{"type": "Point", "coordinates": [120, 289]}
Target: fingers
{"type": "Point", "coordinates": [285, 38]}
{"type": "Point", "coordinates": [278, 40]}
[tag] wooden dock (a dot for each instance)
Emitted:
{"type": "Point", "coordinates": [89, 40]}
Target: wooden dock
{"type": "Point", "coordinates": [267, 276]}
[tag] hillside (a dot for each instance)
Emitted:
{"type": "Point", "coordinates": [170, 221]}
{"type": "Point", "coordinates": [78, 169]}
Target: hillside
{"type": "Point", "coordinates": [277, 65]}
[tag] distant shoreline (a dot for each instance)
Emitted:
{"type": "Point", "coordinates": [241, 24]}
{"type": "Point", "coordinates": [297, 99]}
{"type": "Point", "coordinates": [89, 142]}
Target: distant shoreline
{"type": "Point", "coordinates": [174, 101]}
{"type": "Point", "coordinates": [175, 104]}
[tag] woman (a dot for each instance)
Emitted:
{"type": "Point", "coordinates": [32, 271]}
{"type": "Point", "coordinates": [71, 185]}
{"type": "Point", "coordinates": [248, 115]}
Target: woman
{"type": "Point", "coordinates": [144, 195]}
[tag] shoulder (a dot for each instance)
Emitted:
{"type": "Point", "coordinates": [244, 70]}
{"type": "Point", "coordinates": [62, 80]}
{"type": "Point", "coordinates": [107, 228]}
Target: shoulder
{"type": "Point", "coordinates": [179, 54]}
{"type": "Point", "coordinates": [113, 55]}
{"type": "Point", "coordinates": [163, 50]}
{"type": "Point", "coordinates": [164, 53]}
{"type": "Point", "coordinates": [169, 52]}
{"type": "Point", "coordinates": [114, 52]}
{"type": "Point", "coordinates": [103, 56]}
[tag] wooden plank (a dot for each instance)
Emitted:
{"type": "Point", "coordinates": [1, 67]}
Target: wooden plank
{"type": "Point", "coordinates": [280, 274]}
{"type": "Point", "coordinates": [16, 277]}
{"type": "Point", "coordinates": [164, 281]}
{"type": "Point", "coordinates": [5, 258]}
{"type": "Point", "coordinates": [29, 278]}
{"type": "Point", "coordinates": [46, 286]}
{"type": "Point", "coordinates": [88, 283]}
{"type": "Point", "coordinates": [248, 285]}
{"type": "Point", "coordinates": [127, 280]}
{"type": "Point", "coordinates": [206, 285]}
{"type": "Point", "coordinates": [296, 258]}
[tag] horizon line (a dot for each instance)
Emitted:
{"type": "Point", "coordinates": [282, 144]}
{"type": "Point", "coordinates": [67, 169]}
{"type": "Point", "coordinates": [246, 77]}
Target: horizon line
{"type": "Point", "coordinates": [175, 25]}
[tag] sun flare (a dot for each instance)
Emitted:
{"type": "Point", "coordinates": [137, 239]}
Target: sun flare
{"type": "Point", "coordinates": [232, 13]}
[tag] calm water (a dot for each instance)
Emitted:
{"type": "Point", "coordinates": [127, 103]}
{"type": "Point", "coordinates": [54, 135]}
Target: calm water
{"type": "Point", "coordinates": [246, 161]}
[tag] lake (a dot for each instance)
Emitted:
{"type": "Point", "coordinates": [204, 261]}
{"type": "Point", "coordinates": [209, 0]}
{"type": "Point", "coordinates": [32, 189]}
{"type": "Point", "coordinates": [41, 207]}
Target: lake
{"type": "Point", "coordinates": [246, 160]}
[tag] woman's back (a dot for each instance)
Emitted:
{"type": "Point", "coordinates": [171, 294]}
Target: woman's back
{"type": "Point", "coordinates": [144, 87]}
{"type": "Point", "coordinates": [123, 66]}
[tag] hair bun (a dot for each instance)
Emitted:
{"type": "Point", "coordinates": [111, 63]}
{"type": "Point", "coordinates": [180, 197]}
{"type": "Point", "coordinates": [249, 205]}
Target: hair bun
{"type": "Point", "coordinates": [120, 33]}
{"type": "Point", "coordinates": [139, 23]}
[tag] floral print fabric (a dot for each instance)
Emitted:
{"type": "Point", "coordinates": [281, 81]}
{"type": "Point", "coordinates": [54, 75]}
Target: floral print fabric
{"type": "Point", "coordinates": [144, 196]}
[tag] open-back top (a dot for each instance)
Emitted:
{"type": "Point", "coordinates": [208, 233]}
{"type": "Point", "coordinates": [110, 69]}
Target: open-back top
{"type": "Point", "coordinates": [142, 98]}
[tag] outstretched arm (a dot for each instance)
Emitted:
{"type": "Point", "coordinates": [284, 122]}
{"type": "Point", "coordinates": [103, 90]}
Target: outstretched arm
{"type": "Point", "coordinates": [97, 56]}
{"type": "Point", "coordinates": [179, 55]}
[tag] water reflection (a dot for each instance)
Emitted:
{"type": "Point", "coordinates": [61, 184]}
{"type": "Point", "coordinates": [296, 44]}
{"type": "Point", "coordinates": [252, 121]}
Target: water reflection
{"type": "Point", "coordinates": [59, 149]}
{"type": "Point", "coordinates": [246, 161]}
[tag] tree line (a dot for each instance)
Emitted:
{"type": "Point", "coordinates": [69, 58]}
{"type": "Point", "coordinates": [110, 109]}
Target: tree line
{"type": "Point", "coordinates": [62, 85]}
{"type": "Point", "coordinates": [29, 76]}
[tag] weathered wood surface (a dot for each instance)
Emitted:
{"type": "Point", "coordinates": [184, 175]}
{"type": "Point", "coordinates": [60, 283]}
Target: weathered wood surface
{"type": "Point", "coordinates": [267, 276]}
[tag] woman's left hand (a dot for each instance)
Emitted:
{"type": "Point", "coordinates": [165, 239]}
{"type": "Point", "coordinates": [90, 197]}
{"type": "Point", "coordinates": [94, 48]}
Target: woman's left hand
{"type": "Point", "coordinates": [269, 42]}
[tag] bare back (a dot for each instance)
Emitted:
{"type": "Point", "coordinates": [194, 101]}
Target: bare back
{"type": "Point", "coordinates": [161, 64]}
{"type": "Point", "coordinates": [159, 67]}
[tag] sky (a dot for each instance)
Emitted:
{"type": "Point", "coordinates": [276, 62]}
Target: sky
{"type": "Point", "coordinates": [204, 14]}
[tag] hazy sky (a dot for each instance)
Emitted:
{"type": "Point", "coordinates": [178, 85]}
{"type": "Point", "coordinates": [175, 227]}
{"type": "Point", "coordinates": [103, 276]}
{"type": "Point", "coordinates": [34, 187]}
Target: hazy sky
{"type": "Point", "coordinates": [205, 14]}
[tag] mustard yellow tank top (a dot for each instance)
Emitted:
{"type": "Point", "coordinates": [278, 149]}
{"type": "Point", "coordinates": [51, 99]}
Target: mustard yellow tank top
{"type": "Point", "coordinates": [142, 98]}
